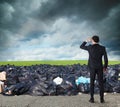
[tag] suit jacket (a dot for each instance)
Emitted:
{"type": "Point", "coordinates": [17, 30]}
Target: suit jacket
{"type": "Point", "coordinates": [96, 52]}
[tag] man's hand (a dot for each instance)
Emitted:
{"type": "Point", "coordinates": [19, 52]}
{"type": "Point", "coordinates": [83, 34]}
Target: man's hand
{"type": "Point", "coordinates": [104, 69]}
{"type": "Point", "coordinates": [89, 40]}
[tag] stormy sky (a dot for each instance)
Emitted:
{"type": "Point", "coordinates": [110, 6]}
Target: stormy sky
{"type": "Point", "coordinates": [54, 29]}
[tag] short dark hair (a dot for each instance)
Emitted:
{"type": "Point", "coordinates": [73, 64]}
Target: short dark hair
{"type": "Point", "coordinates": [95, 38]}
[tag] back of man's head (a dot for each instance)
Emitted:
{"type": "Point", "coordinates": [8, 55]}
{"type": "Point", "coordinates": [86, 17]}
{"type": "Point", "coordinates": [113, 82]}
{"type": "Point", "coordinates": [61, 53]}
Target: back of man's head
{"type": "Point", "coordinates": [95, 38]}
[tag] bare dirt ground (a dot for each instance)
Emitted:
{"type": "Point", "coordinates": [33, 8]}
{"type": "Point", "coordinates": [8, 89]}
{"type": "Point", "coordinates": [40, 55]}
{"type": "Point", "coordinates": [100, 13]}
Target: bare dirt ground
{"type": "Point", "coordinates": [111, 100]}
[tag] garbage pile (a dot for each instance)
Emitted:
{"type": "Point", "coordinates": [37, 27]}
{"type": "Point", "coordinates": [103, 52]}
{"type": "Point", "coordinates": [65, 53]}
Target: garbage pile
{"type": "Point", "coordinates": [41, 80]}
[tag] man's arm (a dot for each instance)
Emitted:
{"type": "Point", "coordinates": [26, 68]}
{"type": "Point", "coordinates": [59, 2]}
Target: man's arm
{"type": "Point", "coordinates": [105, 60]}
{"type": "Point", "coordinates": [82, 46]}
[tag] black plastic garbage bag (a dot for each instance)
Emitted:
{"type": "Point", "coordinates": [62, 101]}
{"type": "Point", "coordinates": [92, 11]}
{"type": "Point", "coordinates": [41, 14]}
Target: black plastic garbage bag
{"type": "Point", "coordinates": [112, 80]}
{"type": "Point", "coordinates": [40, 79]}
{"type": "Point", "coordinates": [35, 91]}
{"type": "Point", "coordinates": [66, 88]}
{"type": "Point", "coordinates": [116, 89]}
{"type": "Point", "coordinates": [84, 88]}
{"type": "Point", "coordinates": [18, 89]}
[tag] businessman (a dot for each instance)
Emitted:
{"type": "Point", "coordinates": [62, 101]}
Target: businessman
{"type": "Point", "coordinates": [96, 67]}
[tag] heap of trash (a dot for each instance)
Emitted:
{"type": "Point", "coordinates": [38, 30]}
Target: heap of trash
{"type": "Point", "coordinates": [42, 80]}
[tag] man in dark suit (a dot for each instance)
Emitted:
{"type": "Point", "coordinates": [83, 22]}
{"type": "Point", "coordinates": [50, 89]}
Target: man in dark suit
{"type": "Point", "coordinates": [96, 67]}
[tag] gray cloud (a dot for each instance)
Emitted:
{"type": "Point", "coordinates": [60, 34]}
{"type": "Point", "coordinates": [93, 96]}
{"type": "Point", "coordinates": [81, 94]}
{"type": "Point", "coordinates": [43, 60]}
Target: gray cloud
{"type": "Point", "coordinates": [10, 21]}
{"type": "Point", "coordinates": [91, 10]}
{"type": "Point", "coordinates": [110, 27]}
{"type": "Point", "coordinates": [101, 15]}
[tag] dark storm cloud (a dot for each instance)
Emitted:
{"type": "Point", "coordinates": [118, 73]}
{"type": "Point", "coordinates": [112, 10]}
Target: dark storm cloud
{"type": "Point", "coordinates": [8, 21]}
{"type": "Point", "coordinates": [92, 10]}
{"type": "Point", "coordinates": [12, 16]}
{"type": "Point", "coordinates": [111, 29]}
{"type": "Point", "coordinates": [96, 12]}
{"type": "Point", "coordinates": [8, 1]}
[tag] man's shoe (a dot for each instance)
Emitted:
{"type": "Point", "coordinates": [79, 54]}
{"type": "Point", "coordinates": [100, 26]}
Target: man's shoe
{"type": "Point", "coordinates": [91, 100]}
{"type": "Point", "coordinates": [102, 101]}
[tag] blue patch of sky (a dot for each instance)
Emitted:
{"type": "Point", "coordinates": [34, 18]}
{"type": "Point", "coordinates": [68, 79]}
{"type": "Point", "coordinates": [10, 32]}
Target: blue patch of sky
{"type": "Point", "coordinates": [33, 34]}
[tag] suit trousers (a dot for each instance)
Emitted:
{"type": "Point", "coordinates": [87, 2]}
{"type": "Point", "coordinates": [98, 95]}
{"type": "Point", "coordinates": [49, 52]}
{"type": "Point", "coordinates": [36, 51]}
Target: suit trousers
{"type": "Point", "coordinates": [99, 73]}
